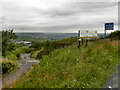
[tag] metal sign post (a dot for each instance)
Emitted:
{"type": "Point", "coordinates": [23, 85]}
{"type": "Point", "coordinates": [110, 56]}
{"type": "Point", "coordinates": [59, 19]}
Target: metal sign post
{"type": "Point", "coordinates": [108, 26]}
{"type": "Point", "coordinates": [105, 35]}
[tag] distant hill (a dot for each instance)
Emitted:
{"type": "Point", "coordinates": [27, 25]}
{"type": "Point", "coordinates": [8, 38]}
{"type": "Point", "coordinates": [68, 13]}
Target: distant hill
{"type": "Point", "coordinates": [51, 36]}
{"type": "Point", "coordinates": [102, 34]}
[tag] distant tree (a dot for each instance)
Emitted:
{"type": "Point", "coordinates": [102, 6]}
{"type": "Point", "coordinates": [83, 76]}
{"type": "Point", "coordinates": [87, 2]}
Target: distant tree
{"type": "Point", "coordinates": [6, 36]}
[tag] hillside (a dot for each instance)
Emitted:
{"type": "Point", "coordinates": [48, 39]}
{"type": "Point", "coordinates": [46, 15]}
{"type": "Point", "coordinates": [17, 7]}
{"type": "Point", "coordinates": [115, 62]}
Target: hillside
{"type": "Point", "coordinates": [48, 36]}
{"type": "Point", "coordinates": [70, 67]}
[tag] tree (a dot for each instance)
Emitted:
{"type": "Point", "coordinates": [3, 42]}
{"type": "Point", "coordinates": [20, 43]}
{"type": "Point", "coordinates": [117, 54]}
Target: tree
{"type": "Point", "coordinates": [6, 36]}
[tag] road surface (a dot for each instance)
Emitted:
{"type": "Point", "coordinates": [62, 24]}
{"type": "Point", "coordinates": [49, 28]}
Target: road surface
{"type": "Point", "coordinates": [113, 81]}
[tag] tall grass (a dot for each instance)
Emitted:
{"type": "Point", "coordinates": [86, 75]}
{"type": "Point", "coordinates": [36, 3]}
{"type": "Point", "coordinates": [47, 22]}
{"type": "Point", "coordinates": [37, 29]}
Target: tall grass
{"type": "Point", "coordinates": [87, 67]}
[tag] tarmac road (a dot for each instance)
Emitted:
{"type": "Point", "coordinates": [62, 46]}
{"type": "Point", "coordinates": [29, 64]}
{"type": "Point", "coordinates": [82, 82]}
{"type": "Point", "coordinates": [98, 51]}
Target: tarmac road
{"type": "Point", "coordinates": [113, 81]}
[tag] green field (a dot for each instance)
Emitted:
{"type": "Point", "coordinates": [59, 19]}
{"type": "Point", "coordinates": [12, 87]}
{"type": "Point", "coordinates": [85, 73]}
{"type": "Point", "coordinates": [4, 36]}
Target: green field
{"type": "Point", "coordinates": [70, 67]}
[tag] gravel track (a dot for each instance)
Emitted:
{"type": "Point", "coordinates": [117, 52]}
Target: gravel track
{"type": "Point", "coordinates": [24, 65]}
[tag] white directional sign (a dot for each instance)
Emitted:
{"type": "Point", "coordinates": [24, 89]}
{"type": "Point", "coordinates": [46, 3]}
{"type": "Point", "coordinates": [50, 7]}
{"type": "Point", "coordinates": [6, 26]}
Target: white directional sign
{"type": "Point", "coordinates": [88, 34]}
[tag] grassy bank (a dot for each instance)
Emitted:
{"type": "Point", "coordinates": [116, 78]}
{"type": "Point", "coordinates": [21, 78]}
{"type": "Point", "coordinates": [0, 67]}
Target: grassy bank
{"type": "Point", "coordinates": [40, 49]}
{"type": "Point", "coordinates": [72, 67]}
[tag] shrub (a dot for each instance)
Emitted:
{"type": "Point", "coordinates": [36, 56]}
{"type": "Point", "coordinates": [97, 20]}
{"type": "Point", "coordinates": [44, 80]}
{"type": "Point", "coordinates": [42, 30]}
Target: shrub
{"type": "Point", "coordinates": [101, 37]}
{"type": "Point", "coordinates": [115, 35]}
{"type": "Point", "coordinates": [12, 56]}
{"type": "Point", "coordinates": [11, 46]}
{"type": "Point", "coordinates": [49, 47]}
{"type": "Point", "coordinates": [34, 54]}
{"type": "Point", "coordinates": [47, 44]}
{"type": "Point", "coordinates": [36, 45]}
{"type": "Point", "coordinates": [26, 49]}
{"type": "Point", "coordinates": [8, 66]}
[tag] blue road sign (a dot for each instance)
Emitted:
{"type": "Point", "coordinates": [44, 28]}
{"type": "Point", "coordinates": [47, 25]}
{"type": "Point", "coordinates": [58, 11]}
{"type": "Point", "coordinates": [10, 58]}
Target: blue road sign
{"type": "Point", "coordinates": [109, 26]}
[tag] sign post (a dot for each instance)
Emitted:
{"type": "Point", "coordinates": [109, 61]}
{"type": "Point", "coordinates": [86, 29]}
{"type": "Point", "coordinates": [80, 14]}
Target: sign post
{"type": "Point", "coordinates": [105, 36]}
{"type": "Point", "coordinates": [79, 38]}
{"type": "Point", "coordinates": [87, 35]}
{"type": "Point", "coordinates": [108, 26]}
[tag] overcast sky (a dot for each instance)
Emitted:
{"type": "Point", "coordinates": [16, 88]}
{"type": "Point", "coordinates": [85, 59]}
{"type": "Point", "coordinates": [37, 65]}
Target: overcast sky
{"type": "Point", "coordinates": [66, 16]}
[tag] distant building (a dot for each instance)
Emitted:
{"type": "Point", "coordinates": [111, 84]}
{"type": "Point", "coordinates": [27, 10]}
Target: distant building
{"type": "Point", "coordinates": [24, 43]}
{"type": "Point", "coordinates": [27, 43]}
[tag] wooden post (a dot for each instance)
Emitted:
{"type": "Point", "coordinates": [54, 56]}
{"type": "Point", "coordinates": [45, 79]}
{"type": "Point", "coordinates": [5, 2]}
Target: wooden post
{"type": "Point", "coordinates": [79, 39]}
{"type": "Point", "coordinates": [86, 43]}
{"type": "Point", "coordinates": [82, 41]}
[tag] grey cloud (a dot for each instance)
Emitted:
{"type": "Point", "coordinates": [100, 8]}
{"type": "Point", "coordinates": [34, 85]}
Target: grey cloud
{"type": "Point", "coordinates": [56, 27]}
{"type": "Point", "coordinates": [68, 16]}
{"type": "Point", "coordinates": [59, 27]}
{"type": "Point", "coordinates": [73, 8]}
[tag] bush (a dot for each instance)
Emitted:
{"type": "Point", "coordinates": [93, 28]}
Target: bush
{"type": "Point", "coordinates": [12, 56]}
{"type": "Point", "coordinates": [11, 46]}
{"type": "Point", "coordinates": [36, 45]}
{"type": "Point", "coordinates": [115, 35]}
{"type": "Point", "coordinates": [15, 54]}
{"type": "Point", "coordinates": [8, 66]}
{"type": "Point", "coordinates": [49, 47]}
{"type": "Point", "coordinates": [34, 54]}
{"type": "Point", "coordinates": [47, 44]}
{"type": "Point", "coordinates": [101, 37]}
{"type": "Point", "coordinates": [26, 49]}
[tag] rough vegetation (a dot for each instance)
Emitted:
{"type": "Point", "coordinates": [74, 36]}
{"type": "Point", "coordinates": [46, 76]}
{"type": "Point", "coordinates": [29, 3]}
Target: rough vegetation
{"type": "Point", "coordinates": [72, 67]}
{"type": "Point", "coordinates": [63, 65]}
{"type": "Point", "coordinates": [114, 35]}
{"type": "Point", "coordinates": [47, 47]}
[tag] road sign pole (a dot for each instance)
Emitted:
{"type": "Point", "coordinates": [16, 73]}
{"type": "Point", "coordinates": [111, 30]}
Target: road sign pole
{"type": "Point", "coordinates": [105, 36]}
